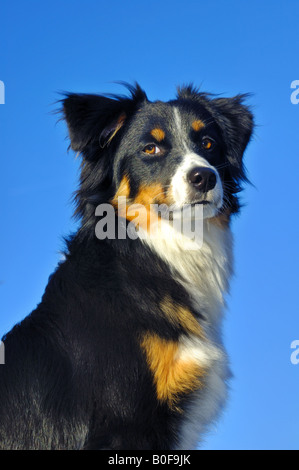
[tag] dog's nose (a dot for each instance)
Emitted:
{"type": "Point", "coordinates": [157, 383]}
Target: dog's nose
{"type": "Point", "coordinates": [202, 178]}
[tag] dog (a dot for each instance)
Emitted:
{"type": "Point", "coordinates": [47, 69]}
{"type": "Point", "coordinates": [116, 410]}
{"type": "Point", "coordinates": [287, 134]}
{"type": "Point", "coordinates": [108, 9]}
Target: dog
{"type": "Point", "coordinates": [124, 350]}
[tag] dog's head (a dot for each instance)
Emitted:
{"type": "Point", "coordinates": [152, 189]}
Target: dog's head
{"type": "Point", "coordinates": [185, 151]}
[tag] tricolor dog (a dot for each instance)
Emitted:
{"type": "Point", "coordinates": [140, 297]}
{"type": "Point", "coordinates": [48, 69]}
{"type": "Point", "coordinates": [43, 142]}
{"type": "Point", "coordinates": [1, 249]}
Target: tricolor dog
{"type": "Point", "coordinates": [125, 351]}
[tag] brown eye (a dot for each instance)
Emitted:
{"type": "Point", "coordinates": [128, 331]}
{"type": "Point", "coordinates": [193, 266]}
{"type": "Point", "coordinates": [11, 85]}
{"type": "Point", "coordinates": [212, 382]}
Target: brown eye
{"type": "Point", "coordinates": [151, 149]}
{"type": "Point", "coordinates": [207, 143]}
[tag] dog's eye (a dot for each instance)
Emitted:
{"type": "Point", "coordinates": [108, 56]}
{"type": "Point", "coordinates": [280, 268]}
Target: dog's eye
{"type": "Point", "coordinates": [151, 149]}
{"type": "Point", "coordinates": [207, 143]}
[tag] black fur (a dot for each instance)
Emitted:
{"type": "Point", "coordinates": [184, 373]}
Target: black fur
{"type": "Point", "coordinates": [75, 376]}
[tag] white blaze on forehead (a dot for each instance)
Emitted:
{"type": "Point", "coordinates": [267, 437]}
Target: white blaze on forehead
{"type": "Point", "coordinates": [179, 129]}
{"type": "Point", "coordinates": [179, 183]}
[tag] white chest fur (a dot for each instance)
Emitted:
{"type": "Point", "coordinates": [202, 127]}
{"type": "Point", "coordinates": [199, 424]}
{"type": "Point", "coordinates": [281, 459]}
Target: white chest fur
{"type": "Point", "coordinates": [204, 272]}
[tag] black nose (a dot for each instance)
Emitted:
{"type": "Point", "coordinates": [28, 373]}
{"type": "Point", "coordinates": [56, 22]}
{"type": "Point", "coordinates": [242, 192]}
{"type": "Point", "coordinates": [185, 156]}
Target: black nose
{"type": "Point", "coordinates": [203, 179]}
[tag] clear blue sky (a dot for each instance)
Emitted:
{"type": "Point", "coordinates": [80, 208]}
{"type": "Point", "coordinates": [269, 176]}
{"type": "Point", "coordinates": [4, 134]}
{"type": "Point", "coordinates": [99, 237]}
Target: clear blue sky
{"type": "Point", "coordinates": [226, 47]}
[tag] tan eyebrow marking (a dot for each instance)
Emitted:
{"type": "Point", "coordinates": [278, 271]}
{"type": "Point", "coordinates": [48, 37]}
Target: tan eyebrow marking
{"type": "Point", "coordinates": [158, 134]}
{"type": "Point", "coordinates": [197, 125]}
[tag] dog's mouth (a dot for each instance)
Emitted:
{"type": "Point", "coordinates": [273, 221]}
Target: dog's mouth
{"type": "Point", "coordinates": [198, 209]}
{"type": "Point", "coordinates": [204, 203]}
{"type": "Point", "coordinates": [192, 210]}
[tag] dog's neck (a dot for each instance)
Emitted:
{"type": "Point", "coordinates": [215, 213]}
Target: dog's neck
{"type": "Point", "coordinates": [204, 269]}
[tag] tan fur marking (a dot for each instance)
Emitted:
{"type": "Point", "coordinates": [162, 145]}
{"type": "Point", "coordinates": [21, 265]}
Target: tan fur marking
{"type": "Point", "coordinates": [123, 190]}
{"type": "Point", "coordinates": [119, 124]}
{"type": "Point", "coordinates": [181, 316]}
{"type": "Point", "coordinates": [151, 194]}
{"type": "Point", "coordinates": [147, 195]}
{"type": "Point", "coordinates": [173, 376]}
{"type": "Point", "coordinates": [158, 134]}
{"type": "Point", "coordinates": [139, 207]}
{"type": "Point", "coordinates": [197, 125]}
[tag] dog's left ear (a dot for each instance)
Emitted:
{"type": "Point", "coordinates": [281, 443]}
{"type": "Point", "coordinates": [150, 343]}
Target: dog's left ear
{"type": "Point", "coordinates": [94, 120]}
{"type": "Point", "coordinates": [236, 122]}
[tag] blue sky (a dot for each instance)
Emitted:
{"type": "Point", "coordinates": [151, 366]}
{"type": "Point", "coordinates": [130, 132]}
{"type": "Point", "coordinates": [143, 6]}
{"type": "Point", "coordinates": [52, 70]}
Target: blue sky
{"type": "Point", "coordinates": [225, 47]}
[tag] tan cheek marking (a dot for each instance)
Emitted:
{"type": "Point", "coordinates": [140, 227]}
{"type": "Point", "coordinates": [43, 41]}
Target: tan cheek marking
{"type": "Point", "coordinates": [147, 195]}
{"type": "Point", "coordinates": [173, 376]}
{"type": "Point", "coordinates": [181, 316]}
{"type": "Point", "coordinates": [158, 134]}
{"type": "Point", "coordinates": [150, 194]}
{"type": "Point", "coordinates": [123, 190]}
{"type": "Point", "coordinates": [138, 210]}
{"type": "Point", "coordinates": [197, 125]}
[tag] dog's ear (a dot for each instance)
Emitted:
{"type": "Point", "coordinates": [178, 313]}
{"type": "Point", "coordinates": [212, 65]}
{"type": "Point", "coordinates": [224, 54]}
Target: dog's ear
{"type": "Point", "coordinates": [236, 122]}
{"type": "Point", "coordinates": [94, 120]}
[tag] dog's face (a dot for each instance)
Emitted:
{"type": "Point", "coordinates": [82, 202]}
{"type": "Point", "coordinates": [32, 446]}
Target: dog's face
{"type": "Point", "coordinates": [185, 151]}
{"type": "Point", "coordinates": [172, 153]}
